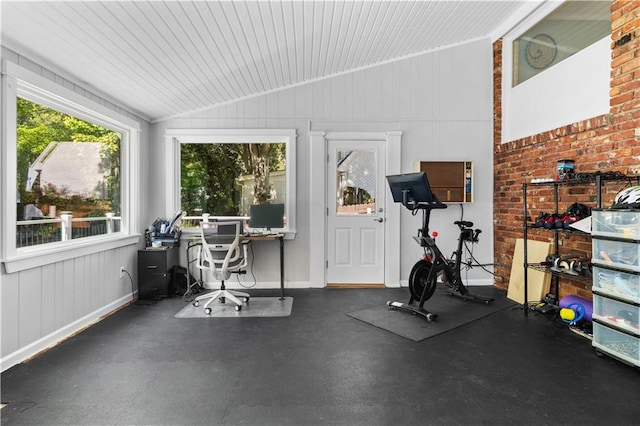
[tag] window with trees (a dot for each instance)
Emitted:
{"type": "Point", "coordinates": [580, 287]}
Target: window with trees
{"type": "Point", "coordinates": [221, 173]}
{"type": "Point", "coordinates": [68, 177]}
{"type": "Point", "coordinates": [68, 181]}
{"type": "Point", "coordinates": [224, 179]}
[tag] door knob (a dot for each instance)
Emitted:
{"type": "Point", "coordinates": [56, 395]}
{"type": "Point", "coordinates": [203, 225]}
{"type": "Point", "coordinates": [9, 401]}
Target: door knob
{"type": "Point", "coordinates": [379, 220]}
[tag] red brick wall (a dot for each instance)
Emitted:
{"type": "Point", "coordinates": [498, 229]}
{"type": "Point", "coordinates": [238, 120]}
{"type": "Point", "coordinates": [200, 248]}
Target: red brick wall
{"type": "Point", "coordinates": [604, 143]}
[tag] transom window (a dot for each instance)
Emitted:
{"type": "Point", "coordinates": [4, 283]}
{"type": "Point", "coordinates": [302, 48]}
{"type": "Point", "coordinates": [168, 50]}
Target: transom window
{"type": "Point", "coordinates": [570, 28]}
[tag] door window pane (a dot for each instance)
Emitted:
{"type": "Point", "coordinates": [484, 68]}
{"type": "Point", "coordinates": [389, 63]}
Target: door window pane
{"type": "Point", "coordinates": [356, 177]}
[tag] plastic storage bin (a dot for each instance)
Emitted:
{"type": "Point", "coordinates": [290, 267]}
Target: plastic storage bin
{"type": "Point", "coordinates": [625, 285]}
{"type": "Point", "coordinates": [617, 344]}
{"type": "Point", "coordinates": [617, 314]}
{"type": "Point", "coordinates": [616, 223]}
{"type": "Point", "coordinates": [617, 254]}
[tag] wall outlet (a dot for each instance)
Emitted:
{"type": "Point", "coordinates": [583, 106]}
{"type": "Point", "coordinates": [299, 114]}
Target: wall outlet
{"type": "Point", "coordinates": [121, 272]}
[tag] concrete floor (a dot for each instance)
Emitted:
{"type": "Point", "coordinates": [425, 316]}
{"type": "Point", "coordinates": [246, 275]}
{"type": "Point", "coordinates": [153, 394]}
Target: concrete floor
{"type": "Point", "coordinates": [143, 366]}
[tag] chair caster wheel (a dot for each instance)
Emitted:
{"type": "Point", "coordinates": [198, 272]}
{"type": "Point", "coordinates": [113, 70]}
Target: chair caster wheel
{"type": "Point", "coordinates": [246, 300]}
{"type": "Point", "coordinates": [207, 311]}
{"type": "Point", "coordinates": [238, 308]}
{"type": "Point", "coordinates": [222, 300]}
{"type": "Point", "coordinates": [196, 303]}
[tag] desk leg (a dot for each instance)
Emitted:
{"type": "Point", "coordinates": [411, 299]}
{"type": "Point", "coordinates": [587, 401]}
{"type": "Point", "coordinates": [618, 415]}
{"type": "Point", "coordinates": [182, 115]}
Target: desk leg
{"type": "Point", "coordinates": [281, 268]}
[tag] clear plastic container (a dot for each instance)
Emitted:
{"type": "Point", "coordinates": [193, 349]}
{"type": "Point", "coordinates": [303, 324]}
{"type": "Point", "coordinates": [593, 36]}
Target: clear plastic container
{"type": "Point", "coordinates": [624, 285]}
{"type": "Point", "coordinates": [620, 345]}
{"type": "Point", "coordinates": [617, 254]}
{"type": "Point", "coordinates": [618, 314]}
{"type": "Point", "coordinates": [616, 223]}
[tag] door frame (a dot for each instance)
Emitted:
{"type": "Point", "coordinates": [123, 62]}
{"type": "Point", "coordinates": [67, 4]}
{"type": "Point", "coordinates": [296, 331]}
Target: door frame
{"type": "Point", "coordinates": [318, 141]}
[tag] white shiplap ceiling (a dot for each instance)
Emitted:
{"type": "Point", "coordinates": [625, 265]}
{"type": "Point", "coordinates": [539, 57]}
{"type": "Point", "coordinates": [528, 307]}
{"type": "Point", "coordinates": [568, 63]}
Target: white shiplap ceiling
{"type": "Point", "coordinates": [161, 59]}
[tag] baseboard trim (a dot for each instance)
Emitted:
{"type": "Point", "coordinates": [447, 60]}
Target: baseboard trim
{"type": "Point", "coordinates": [362, 285]}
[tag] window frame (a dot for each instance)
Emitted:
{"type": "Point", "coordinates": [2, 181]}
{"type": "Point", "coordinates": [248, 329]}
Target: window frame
{"type": "Point", "coordinates": [549, 100]}
{"type": "Point", "coordinates": [18, 81]}
{"type": "Point", "coordinates": [543, 16]}
{"type": "Point", "coordinates": [175, 137]}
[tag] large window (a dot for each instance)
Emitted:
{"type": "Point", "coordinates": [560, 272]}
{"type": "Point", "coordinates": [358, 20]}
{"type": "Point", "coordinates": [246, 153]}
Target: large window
{"type": "Point", "coordinates": [67, 172]}
{"type": "Point", "coordinates": [221, 172]}
{"type": "Point", "coordinates": [68, 177]}
{"type": "Point", "coordinates": [225, 179]}
{"type": "Point", "coordinates": [567, 30]}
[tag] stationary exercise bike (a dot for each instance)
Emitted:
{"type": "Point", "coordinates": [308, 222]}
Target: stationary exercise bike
{"type": "Point", "coordinates": [414, 192]}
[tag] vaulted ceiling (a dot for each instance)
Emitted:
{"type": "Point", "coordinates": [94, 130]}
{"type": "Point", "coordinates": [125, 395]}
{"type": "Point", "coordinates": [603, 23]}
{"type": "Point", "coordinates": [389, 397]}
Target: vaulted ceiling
{"type": "Point", "coordinates": [161, 59]}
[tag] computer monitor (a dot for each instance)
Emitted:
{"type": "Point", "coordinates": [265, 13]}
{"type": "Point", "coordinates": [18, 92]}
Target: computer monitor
{"type": "Point", "coordinates": [411, 189]}
{"type": "Point", "coordinates": [266, 216]}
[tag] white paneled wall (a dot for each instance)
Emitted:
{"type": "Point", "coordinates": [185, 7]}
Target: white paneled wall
{"type": "Point", "coordinates": [43, 305]}
{"type": "Point", "coordinates": [441, 101]}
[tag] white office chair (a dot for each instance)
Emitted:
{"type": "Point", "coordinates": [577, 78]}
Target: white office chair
{"type": "Point", "coordinates": [221, 254]}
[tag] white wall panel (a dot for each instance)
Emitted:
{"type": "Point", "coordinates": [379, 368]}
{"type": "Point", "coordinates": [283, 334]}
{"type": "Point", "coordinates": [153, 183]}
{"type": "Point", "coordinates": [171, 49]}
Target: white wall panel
{"type": "Point", "coordinates": [427, 80]}
{"type": "Point", "coordinates": [10, 313]}
{"type": "Point", "coordinates": [58, 297]}
{"type": "Point", "coordinates": [29, 305]}
{"type": "Point", "coordinates": [67, 291]}
{"type": "Point", "coordinates": [48, 289]}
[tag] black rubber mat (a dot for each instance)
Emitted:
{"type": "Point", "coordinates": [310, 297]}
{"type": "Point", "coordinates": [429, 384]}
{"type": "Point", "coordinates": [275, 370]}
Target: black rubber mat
{"type": "Point", "coordinates": [452, 312]}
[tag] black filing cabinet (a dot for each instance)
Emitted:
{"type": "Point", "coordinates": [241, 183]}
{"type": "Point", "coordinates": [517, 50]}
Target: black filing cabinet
{"type": "Point", "coordinates": [155, 266]}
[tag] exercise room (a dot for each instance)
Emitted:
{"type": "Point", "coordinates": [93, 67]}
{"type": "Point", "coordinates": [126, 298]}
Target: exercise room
{"type": "Point", "coordinates": [231, 212]}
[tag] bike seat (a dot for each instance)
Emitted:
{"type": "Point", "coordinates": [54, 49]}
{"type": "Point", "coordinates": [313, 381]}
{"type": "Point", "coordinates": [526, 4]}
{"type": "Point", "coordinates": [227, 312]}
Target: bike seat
{"type": "Point", "coordinates": [463, 223]}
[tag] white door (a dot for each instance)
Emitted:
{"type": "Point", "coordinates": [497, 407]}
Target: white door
{"type": "Point", "coordinates": [355, 212]}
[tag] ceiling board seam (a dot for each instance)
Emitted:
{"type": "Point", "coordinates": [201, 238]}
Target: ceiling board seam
{"type": "Point", "coordinates": [204, 72]}
{"type": "Point", "coordinates": [142, 29]}
{"type": "Point", "coordinates": [352, 40]}
{"type": "Point", "coordinates": [277, 40]}
{"type": "Point", "coordinates": [328, 66]}
{"type": "Point", "coordinates": [286, 45]}
{"type": "Point", "coordinates": [233, 71]}
{"type": "Point", "coordinates": [361, 22]}
{"type": "Point", "coordinates": [413, 15]}
{"type": "Point", "coordinates": [237, 88]}
{"type": "Point", "coordinates": [383, 35]}
{"type": "Point", "coordinates": [227, 93]}
{"type": "Point", "coordinates": [370, 44]}
{"type": "Point", "coordinates": [189, 88]}
{"type": "Point", "coordinates": [270, 49]}
{"type": "Point", "coordinates": [253, 58]}
{"type": "Point", "coordinates": [322, 31]}
{"type": "Point", "coordinates": [241, 50]}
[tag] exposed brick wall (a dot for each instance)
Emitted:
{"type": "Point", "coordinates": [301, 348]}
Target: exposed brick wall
{"type": "Point", "coordinates": [603, 143]}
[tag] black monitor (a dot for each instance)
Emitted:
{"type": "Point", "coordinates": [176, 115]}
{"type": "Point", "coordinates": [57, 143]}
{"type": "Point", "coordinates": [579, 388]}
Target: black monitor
{"type": "Point", "coordinates": [267, 216]}
{"type": "Point", "coordinates": [412, 189]}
